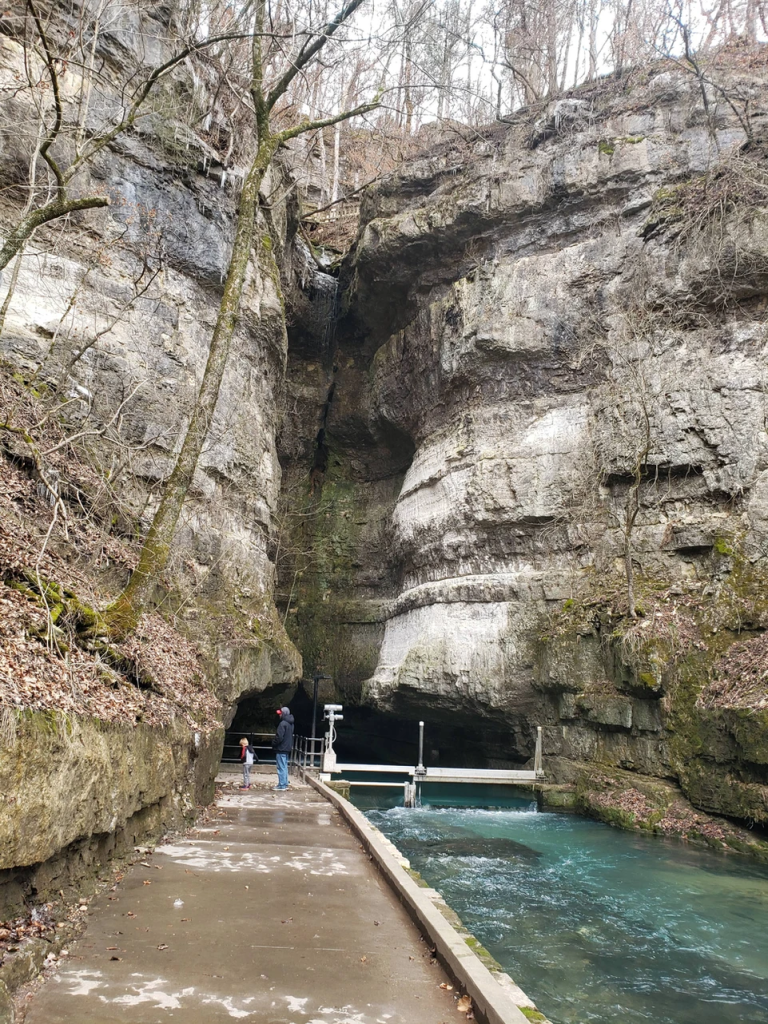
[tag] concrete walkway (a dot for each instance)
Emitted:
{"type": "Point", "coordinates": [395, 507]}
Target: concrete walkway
{"type": "Point", "coordinates": [271, 915]}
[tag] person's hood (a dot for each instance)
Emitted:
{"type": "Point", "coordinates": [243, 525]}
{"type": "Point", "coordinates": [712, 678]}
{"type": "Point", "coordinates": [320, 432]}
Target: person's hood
{"type": "Point", "coordinates": [286, 715]}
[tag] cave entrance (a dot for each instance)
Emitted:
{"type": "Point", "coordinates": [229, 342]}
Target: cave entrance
{"type": "Point", "coordinates": [256, 712]}
{"type": "Point", "coordinates": [453, 737]}
{"type": "Point", "coordinates": [368, 735]}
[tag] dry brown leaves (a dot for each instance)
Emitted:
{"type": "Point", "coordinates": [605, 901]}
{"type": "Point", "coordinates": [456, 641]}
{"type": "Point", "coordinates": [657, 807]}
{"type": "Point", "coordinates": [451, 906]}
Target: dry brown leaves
{"type": "Point", "coordinates": [741, 677]}
{"type": "Point", "coordinates": [42, 672]}
{"type": "Point", "coordinates": [629, 800]}
{"type": "Point", "coordinates": [679, 818]}
{"type": "Point", "coordinates": [175, 663]}
{"type": "Point", "coordinates": [37, 924]}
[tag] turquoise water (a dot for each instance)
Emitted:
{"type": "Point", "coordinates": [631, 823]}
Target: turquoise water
{"type": "Point", "coordinates": [596, 924]}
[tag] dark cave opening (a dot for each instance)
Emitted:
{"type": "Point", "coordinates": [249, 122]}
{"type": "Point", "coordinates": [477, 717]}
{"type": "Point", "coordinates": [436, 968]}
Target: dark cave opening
{"type": "Point", "coordinates": [368, 735]}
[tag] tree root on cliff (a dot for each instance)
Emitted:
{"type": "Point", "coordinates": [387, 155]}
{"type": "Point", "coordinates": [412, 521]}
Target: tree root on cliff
{"type": "Point", "coordinates": [85, 627]}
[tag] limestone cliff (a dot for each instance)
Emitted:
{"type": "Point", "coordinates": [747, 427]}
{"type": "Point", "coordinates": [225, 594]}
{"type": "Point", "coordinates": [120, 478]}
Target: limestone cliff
{"type": "Point", "coordinates": [542, 323]}
{"type": "Point", "coordinates": [542, 330]}
{"type": "Point", "coordinates": [103, 346]}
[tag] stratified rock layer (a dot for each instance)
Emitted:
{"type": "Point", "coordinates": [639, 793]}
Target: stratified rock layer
{"type": "Point", "coordinates": [530, 313]}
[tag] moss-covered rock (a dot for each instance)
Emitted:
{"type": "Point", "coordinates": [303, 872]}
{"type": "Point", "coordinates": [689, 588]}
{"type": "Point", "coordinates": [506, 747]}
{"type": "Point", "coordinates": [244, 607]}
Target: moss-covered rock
{"type": "Point", "coordinates": [639, 803]}
{"type": "Point", "coordinates": [7, 1012]}
{"type": "Point", "coordinates": [72, 789]}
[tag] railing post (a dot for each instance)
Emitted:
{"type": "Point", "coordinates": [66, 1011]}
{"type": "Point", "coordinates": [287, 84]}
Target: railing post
{"type": "Point", "coordinates": [420, 769]}
{"type": "Point", "coordinates": [538, 758]}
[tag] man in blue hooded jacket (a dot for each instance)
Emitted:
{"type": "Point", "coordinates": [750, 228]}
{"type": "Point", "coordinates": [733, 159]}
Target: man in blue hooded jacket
{"type": "Point", "coordinates": [282, 744]}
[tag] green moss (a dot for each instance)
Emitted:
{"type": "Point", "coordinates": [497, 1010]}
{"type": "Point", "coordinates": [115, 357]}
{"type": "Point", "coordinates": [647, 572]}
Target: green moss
{"type": "Point", "coordinates": [606, 148]}
{"type": "Point", "coordinates": [532, 1014]}
{"type": "Point", "coordinates": [664, 193]}
{"type": "Point", "coordinates": [327, 538]}
{"type": "Point", "coordinates": [561, 798]}
{"type": "Point", "coordinates": [266, 241]}
{"type": "Point", "coordinates": [339, 786]}
{"type": "Point", "coordinates": [610, 815]}
{"type": "Point", "coordinates": [478, 948]}
{"type": "Point", "coordinates": [676, 653]}
{"type": "Point", "coordinates": [723, 547]}
{"type": "Point", "coordinates": [633, 140]}
{"type": "Point", "coordinates": [46, 723]}
{"type": "Point", "coordinates": [417, 878]}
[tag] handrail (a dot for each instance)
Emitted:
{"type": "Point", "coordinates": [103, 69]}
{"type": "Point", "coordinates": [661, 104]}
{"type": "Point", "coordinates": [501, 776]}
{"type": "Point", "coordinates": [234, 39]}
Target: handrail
{"type": "Point", "coordinates": [307, 754]}
{"type": "Point", "coordinates": [231, 750]}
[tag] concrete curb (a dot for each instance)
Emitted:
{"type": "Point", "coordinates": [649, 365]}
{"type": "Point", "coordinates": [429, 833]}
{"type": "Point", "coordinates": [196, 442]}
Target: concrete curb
{"type": "Point", "coordinates": [491, 1003]}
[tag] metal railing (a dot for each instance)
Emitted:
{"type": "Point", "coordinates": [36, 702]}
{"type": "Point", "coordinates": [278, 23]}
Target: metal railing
{"type": "Point", "coordinates": [264, 751]}
{"type": "Point", "coordinates": [307, 753]}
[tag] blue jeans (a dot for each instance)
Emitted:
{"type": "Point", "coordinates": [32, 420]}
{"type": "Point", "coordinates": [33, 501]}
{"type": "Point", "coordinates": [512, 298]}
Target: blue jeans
{"type": "Point", "coordinates": [282, 770]}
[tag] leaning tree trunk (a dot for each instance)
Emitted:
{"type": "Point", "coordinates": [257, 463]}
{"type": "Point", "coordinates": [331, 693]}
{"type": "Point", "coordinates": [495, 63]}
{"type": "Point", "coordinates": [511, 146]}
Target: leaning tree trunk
{"type": "Point", "coordinates": [630, 578]}
{"type": "Point", "coordinates": [123, 614]}
{"type": "Point", "coordinates": [630, 514]}
{"type": "Point", "coordinates": [53, 211]}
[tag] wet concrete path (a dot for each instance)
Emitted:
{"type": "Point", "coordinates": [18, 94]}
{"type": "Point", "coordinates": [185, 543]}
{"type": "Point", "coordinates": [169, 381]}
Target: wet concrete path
{"type": "Point", "coordinates": [271, 915]}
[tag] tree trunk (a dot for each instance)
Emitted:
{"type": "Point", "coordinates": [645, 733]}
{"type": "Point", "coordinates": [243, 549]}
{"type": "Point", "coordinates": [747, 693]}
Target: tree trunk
{"type": "Point", "coordinates": [629, 569]}
{"type": "Point", "coordinates": [323, 169]}
{"type": "Point", "coordinates": [593, 19]}
{"type": "Point", "coordinates": [336, 158]}
{"type": "Point", "coordinates": [630, 518]}
{"type": "Point", "coordinates": [551, 48]}
{"type": "Point", "coordinates": [408, 95]}
{"type": "Point", "coordinates": [11, 289]}
{"type": "Point", "coordinates": [579, 44]}
{"type": "Point", "coordinates": [123, 614]}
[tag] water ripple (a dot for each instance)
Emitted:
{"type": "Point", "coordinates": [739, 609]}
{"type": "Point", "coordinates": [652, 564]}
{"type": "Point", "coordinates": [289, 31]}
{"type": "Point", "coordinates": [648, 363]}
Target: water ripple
{"type": "Point", "coordinates": [599, 926]}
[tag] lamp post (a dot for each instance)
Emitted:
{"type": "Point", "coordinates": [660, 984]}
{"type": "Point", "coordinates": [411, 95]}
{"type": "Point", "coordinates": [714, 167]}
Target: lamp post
{"type": "Point", "coordinates": [316, 680]}
{"type": "Point", "coordinates": [420, 769]}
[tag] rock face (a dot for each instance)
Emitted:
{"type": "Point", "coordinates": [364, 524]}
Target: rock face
{"type": "Point", "coordinates": [544, 360]}
{"type": "Point", "coordinates": [119, 317]}
{"type": "Point", "coordinates": [78, 791]}
{"type": "Point", "coordinates": [113, 317]}
{"type": "Point", "coordinates": [542, 325]}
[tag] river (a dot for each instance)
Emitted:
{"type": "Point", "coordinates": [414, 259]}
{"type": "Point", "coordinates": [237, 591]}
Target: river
{"type": "Point", "coordinates": [597, 925]}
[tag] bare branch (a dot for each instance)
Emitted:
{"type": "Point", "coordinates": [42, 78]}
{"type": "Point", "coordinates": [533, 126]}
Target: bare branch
{"type": "Point", "coordinates": [37, 218]}
{"type": "Point", "coordinates": [54, 132]}
{"type": "Point", "coordinates": [310, 50]}
{"type": "Point", "coordinates": [309, 126]}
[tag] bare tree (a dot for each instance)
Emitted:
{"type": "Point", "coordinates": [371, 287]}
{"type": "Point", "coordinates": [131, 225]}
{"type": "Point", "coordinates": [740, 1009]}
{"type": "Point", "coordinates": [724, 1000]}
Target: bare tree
{"type": "Point", "coordinates": [67, 151]}
{"type": "Point", "coordinates": [123, 614]}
